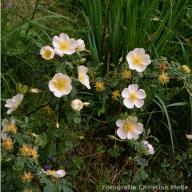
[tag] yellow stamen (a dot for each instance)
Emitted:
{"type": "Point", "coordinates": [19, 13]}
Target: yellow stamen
{"type": "Point", "coordinates": [59, 83]}
{"type": "Point", "coordinates": [137, 60]}
{"type": "Point", "coordinates": [81, 77]}
{"type": "Point", "coordinates": [133, 96]}
{"type": "Point", "coordinates": [64, 45]}
{"type": "Point", "coordinates": [47, 54]}
{"type": "Point", "coordinates": [129, 127]}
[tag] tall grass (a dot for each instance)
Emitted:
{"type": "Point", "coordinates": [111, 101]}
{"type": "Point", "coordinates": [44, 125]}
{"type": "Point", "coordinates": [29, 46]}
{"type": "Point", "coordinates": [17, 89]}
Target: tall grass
{"type": "Point", "coordinates": [26, 26]}
{"type": "Point", "coordinates": [115, 27]}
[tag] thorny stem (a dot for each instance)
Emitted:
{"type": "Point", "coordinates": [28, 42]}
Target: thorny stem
{"type": "Point", "coordinates": [57, 140]}
{"type": "Point", "coordinates": [35, 9]}
{"type": "Point", "coordinates": [37, 109]}
{"type": "Point", "coordinates": [33, 16]}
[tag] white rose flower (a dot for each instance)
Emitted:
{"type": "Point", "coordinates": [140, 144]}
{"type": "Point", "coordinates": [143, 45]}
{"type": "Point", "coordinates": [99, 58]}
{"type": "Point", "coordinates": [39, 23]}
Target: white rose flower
{"type": "Point", "coordinates": [60, 85]}
{"type": "Point", "coordinates": [138, 60]}
{"type": "Point", "coordinates": [14, 102]}
{"type": "Point", "coordinates": [133, 96]}
{"type": "Point", "coordinates": [83, 77]}
{"type": "Point", "coordinates": [129, 128]}
{"type": "Point", "coordinates": [149, 147]}
{"type": "Point", "coordinates": [47, 52]}
{"type": "Point", "coordinates": [189, 136]}
{"type": "Point", "coordinates": [77, 104]}
{"type": "Point", "coordinates": [80, 45]}
{"type": "Point", "coordinates": [59, 173]}
{"type": "Point", "coordinates": [64, 45]}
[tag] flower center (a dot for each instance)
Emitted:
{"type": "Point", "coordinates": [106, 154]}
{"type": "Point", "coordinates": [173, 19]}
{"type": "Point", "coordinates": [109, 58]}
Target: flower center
{"type": "Point", "coordinates": [81, 76]}
{"type": "Point", "coordinates": [47, 54]}
{"type": "Point", "coordinates": [129, 127]}
{"type": "Point", "coordinates": [133, 96]}
{"type": "Point", "coordinates": [64, 45]}
{"type": "Point", "coordinates": [137, 60]}
{"type": "Point", "coordinates": [60, 84]}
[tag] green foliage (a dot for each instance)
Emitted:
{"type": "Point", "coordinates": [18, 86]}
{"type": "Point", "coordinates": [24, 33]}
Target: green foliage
{"type": "Point", "coordinates": [85, 143]}
{"type": "Point", "coordinates": [115, 27]}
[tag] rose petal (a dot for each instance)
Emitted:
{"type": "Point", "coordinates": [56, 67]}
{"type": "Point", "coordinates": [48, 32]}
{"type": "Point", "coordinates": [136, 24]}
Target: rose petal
{"type": "Point", "coordinates": [139, 103]}
{"type": "Point", "coordinates": [128, 103]}
{"type": "Point", "coordinates": [141, 94]}
{"type": "Point", "coordinates": [121, 133]}
{"type": "Point", "coordinates": [125, 93]}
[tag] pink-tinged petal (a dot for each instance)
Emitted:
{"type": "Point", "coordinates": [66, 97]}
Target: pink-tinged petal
{"type": "Point", "coordinates": [146, 59]}
{"type": "Point", "coordinates": [139, 51]}
{"type": "Point", "coordinates": [141, 94]}
{"type": "Point", "coordinates": [134, 119]}
{"type": "Point", "coordinates": [131, 65]}
{"type": "Point", "coordinates": [69, 52]}
{"type": "Point", "coordinates": [68, 90]}
{"type": "Point", "coordinates": [82, 69]}
{"type": "Point", "coordinates": [140, 68]}
{"type": "Point", "coordinates": [56, 41]}
{"type": "Point", "coordinates": [150, 149]}
{"type": "Point", "coordinates": [146, 142]}
{"type": "Point", "coordinates": [139, 128]}
{"type": "Point", "coordinates": [18, 98]}
{"type": "Point", "coordinates": [58, 93]}
{"type": "Point", "coordinates": [129, 59]}
{"type": "Point", "coordinates": [67, 78]}
{"type": "Point", "coordinates": [80, 45]}
{"type": "Point", "coordinates": [59, 174]}
{"type": "Point", "coordinates": [139, 103]}
{"type": "Point", "coordinates": [9, 103]}
{"type": "Point", "coordinates": [73, 44]}
{"type": "Point", "coordinates": [125, 93]}
{"type": "Point", "coordinates": [131, 135]}
{"type": "Point", "coordinates": [133, 88]}
{"type": "Point", "coordinates": [129, 56]}
{"type": "Point", "coordinates": [51, 86]}
{"type": "Point", "coordinates": [128, 103]}
{"type": "Point", "coordinates": [59, 52]}
{"type": "Point", "coordinates": [64, 37]}
{"type": "Point", "coordinates": [121, 133]}
{"type": "Point", "coordinates": [120, 123]}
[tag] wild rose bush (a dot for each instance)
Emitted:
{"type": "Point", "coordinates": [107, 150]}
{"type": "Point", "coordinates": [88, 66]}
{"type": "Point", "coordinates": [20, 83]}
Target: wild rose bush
{"type": "Point", "coordinates": [81, 127]}
{"type": "Point", "coordinates": [65, 86]}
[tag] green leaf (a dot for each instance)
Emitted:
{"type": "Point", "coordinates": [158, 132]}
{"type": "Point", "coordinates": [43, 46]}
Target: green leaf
{"type": "Point", "coordinates": [19, 165]}
{"type": "Point", "coordinates": [164, 109]}
{"type": "Point", "coordinates": [41, 140]}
